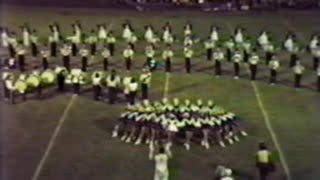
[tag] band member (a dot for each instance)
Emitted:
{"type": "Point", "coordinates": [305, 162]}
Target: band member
{"type": "Point", "coordinates": [253, 61]}
{"type": "Point", "coordinates": [8, 85]}
{"type": "Point", "coordinates": [238, 36]}
{"type": "Point", "coordinates": [56, 33]}
{"type": "Point", "coordinates": [145, 80]}
{"type": "Point", "coordinates": [53, 46]}
{"type": "Point", "coordinates": [214, 35]}
{"type": "Point", "coordinates": [209, 45]}
{"type": "Point", "coordinates": [230, 45]}
{"type": "Point", "coordinates": [218, 57]}
{"type": "Point", "coordinates": [133, 88]}
{"type": "Point", "coordinates": [96, 82]}
{"type": "Point", "coordinates": [237, 58]}
{"type": "Point", "coordinates": [25, 35]}
{"type": "Point", "coordinates": [75, 40]}
{"type": "Point", "coordinates": [188, 53]}
{"type": "Point", "coordinates": [149, 34]}
{"type": "Point", "coordinates": [263, 39]}
{"type": "Point", "coordinates": [188, 29]}
{"type": "Point", "coordinates": [150, 52]}
{"type": "Point", "coordinates": [167, 36]}
{"type": "Point", "coordinates": [45, 55]}
{"type": "Point", "coordinates": [113, 81]}
{"type": "Point", "coordinates": [161, 165]}
{"type": "Point", "coordinates": [92, 40]}
{"type": "Point", "coordinates": [65, 52]}
{"type": "Point", "coordinates": [316, 56]}
{"type": "Point", "coordinates": [188, 41]}
{"type": "Point", "coordinates": [314, 42]}
{"type": "Point", "coordinates": [84, 52]}
{"type": "Point", "coordinates": [246, 46]}
{"type": "Point", "coordinates": [4, 37]}
{"type": "Point", "coordinates": [289, 42]}
{"type": "Point", "coordinates": [102, 33]}
{"type": "Point", "coordinates": [128, 55]}
{"type": "Point", "coordinates": [264, 161]}
{"type": "Point", "coordinates": [273, 66]}
{"type": "Point", "coordinates": [127, 31]}
{"type": "Point", "coordinates": [12, 44]}
{"type": "Point", "coordinates": [293, 56]}
{"type": "Point", "coordinates": [54, 38]}
{"type": "Point", "coordinates": [21, 57]}
{"type": "Point", "coordinates": [167, 56]}
{"type": "Point", "coordinates": [269, 51]}
{"type": "Point", "coordinates": [106, 55]}
{"type": "Point", "coordinates": [132, 40]}
{"type": "Point", "coordinates": [61, 76]}
{"type": "Point", "coordinates": [34, 43]}
{"type": "Point", "coordinates": [126, 82]}
{"type": "Point", "coordinates": [77, 80]}
{"type": "Point", "coordinates": [111, 41]}
{"type": "Point", "coordinates": [298, 70]}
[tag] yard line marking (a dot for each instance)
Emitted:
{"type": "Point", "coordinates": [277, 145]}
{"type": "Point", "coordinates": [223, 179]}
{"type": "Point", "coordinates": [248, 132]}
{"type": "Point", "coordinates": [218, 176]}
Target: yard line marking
{"type": "Point", "coordinates": [166, 85]}
{"type": "Point", "coordinates": [65, 113]}
{"type": "Point", "coordinates": [271, 130]}
{"type": "Point", "coordinates": [268, 122]}
{"type": "Point", "coordinates": [53, 138]}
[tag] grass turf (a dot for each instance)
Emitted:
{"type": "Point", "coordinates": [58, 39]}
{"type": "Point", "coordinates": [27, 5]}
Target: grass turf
{"type": "Point", "coordinates": [84, 148]}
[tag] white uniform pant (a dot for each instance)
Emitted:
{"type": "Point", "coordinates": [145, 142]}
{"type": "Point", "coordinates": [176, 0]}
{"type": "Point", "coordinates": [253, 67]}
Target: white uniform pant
{"type": "Point", "coordinates": [161, 175]}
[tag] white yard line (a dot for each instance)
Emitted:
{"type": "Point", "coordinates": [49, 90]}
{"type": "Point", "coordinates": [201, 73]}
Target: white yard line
{"type": "Point", "coordinates": [267, 121]}
{"type": "Point", "coordinates": [271, 130]}
{"type": "Point", "coordinates": [52, 140]}
{"type": "Point", "coordinates": [166, 86]}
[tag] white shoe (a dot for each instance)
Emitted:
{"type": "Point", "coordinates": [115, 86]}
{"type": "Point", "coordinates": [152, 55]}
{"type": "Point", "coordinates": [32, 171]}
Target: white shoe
{"type": "Point", "coordinates": [230, 141]}
{"type": "Point", "coordinates": [230, 134]}
{"type": "Point", "coordinates": [147, 141]}
{"type": "Point", "coordinates": [128, 140]}
{"type": "Point", "coordinates": [202, 143]}
{"type": "Point", "coordinates": [243, 133]}
{"type": "Point", "coordinates": [236, 138]}
{"type": "Point", "coordinates": [167, 149]}
{"type": "Point", "coordinates": [123, 138]}
{"type": "Point", "coordinates": [207, 146]}
{"type": "Point", "coordinates": [236, 77]}
{"type": "Point", "coordinates": [221, 143]}
{"type": "Point", "coordinates": [187, 146]}
{"type": "Point", "coordinates": [138, 141]}
{"type": "Point", "coordinates": [114, 134]}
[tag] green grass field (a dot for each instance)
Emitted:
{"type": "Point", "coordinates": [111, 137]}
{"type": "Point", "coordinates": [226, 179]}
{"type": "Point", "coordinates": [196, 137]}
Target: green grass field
{"type": "Point", "coordinates": [83, 148]}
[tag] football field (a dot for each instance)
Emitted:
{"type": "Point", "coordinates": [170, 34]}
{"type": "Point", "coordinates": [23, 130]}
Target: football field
{"type": "Point", "coordinates": [68, 137]}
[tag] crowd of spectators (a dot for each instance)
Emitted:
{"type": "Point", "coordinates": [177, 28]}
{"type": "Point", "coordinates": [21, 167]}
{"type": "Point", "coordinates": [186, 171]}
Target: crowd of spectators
{"type": "Point", "coordinates": [235, 4]}
{"type": "Point", "coordinates": [209, 5]}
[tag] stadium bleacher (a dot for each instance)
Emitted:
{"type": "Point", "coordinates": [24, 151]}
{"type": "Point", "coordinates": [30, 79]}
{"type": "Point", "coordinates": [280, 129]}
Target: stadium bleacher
{"type": "Point", "coordinates": [206, 5]}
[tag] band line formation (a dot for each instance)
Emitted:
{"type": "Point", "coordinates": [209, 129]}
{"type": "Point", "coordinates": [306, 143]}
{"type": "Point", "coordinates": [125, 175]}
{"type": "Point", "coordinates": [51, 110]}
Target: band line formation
{"type": "Point", "coordinates": [237, 50]}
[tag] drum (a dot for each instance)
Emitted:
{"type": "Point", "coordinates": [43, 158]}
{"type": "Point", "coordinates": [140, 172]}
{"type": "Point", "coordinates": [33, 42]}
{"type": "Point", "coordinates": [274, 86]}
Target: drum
{"type": "Point", "coordinates": [33, 81]}
{"type": "Point", "coordinates": [20, 86]}
{"type": "Point", "coordinates": [48, 77]}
